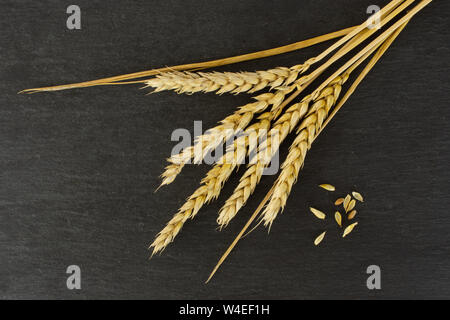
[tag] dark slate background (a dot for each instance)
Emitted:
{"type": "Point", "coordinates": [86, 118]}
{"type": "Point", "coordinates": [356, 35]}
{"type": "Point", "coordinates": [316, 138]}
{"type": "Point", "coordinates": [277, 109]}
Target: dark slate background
{"type": "Point", "coordinates": [78, 168]}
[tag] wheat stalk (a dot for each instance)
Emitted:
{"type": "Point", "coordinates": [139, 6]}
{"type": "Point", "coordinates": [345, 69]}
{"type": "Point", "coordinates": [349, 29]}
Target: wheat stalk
{"type": "Point", "coordinates": [284, 125]}
{"type": "Point", "coordinates": [223, 82]}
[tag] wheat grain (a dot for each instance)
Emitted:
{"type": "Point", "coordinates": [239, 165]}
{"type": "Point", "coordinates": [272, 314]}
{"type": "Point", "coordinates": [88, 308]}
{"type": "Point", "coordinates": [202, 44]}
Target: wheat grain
{"type": "Point", "coordinates": [302, 143]}
{"type": "Point", "coordinates": [347, 199]}
{"type": "Point", "coordinates": [338, 218]}
{"type": "Point", "coordinates": [319, 238]}
{"type": "Point", "coordinates": [297, 153]}
{"type": "Point", "coordinates": [319, 214]}
{"type": "Point", "coordinates": [327, 187]}
{"type": "Point", "coordinates": [350, 206]}
{"type": "Point", "coordinates": [358, 196]}
{"type": "Point", "coordinates": [349, 229]}
{"type": "Point", "coordinates": [223, 82]}
{"type": "Point", "coordinates": [352, 215]}
{"type": "Point", "coordinates": [202, 65]}
{"type": "Point", "coordinates": [339, 201]}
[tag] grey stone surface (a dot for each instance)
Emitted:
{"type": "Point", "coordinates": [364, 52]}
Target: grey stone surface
{"type": "Point", "coordinates": [78, 168]}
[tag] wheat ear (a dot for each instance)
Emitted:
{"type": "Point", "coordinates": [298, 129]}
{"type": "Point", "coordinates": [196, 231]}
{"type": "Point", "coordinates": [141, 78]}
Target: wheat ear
{"type": "Point", "coordinates": [223, 82]}
{"type": "Point", "coordinates": [212, 184]}
{"type": "Point", "coordinates": [297, 153]}
{"type": "Point", "coordinates": [214, 137]}
{"type": "Point", "coordinates": [251, 177]}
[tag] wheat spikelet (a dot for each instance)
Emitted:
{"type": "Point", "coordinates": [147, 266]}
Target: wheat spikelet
{"type": "Point", "coordinates": [297, 153]}
{"type": "Point", "coordinates": [228, 127]}
{"type": "Point", "coordinates": [212, 184]}
{"type": "Point", "coordinates": [223, 82]}
{"type": "Point", "coordinates": [284, 125]}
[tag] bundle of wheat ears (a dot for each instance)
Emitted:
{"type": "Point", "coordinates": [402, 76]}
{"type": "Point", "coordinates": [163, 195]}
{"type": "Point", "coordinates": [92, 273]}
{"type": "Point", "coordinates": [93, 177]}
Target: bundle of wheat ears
{"type": "Point", "coordinates": [270, 117]}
